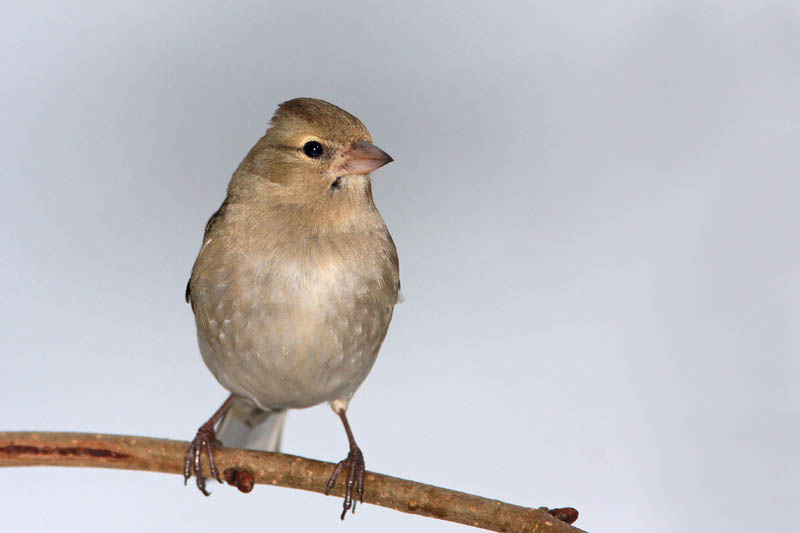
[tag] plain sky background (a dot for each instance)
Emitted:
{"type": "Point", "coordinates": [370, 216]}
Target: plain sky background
{"type": "Point", "coordinates": [594, 207]}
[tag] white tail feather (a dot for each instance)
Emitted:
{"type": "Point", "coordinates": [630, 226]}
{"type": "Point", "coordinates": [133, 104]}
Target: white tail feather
{"type": "Point", "coordinates": [247, 426]}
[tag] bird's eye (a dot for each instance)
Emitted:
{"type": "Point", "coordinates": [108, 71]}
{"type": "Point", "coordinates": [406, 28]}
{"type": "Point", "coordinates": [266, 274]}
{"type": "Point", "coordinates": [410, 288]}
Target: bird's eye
{"type": "Point", "coordinates": [313, 149]}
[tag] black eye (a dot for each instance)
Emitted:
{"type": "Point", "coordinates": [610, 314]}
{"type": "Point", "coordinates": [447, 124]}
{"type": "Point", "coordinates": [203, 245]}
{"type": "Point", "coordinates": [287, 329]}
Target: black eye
{"type": "Point", "coordinates": [313, 149]}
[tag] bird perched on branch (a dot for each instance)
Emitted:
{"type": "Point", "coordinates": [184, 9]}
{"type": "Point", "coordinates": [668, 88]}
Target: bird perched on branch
{"type": "Point", "coordinates": [295, 284]}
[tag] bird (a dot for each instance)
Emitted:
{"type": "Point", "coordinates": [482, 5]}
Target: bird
{"type": "Point", "coordinates": [294, 286]}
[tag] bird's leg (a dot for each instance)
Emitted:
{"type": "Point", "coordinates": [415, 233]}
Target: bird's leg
{"type": "Point", "coordinates": [206, 439]}
{"type": "Point", "coordinates": [354, 462]}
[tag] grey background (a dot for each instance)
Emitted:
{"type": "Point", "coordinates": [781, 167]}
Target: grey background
{"type": "Point", "coordinates": [595, 214]}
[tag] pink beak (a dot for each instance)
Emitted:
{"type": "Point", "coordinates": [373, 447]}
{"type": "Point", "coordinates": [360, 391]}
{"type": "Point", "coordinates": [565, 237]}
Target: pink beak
{"type": "Point", "coordinates": [364, 157]}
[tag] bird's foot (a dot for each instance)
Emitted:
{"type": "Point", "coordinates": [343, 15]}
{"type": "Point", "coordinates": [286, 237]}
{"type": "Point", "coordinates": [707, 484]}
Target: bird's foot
{"type": "Point", "coordinates": [355, 479]}
{"type": "Point", "coordinates": [206, 440]}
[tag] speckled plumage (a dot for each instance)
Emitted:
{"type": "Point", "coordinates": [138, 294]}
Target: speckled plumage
{"type": "Point", "coordinates": [290, 318]}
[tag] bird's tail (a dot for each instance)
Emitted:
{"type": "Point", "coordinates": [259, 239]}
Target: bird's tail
{"type": "Point", "coordinates": [245, 425]}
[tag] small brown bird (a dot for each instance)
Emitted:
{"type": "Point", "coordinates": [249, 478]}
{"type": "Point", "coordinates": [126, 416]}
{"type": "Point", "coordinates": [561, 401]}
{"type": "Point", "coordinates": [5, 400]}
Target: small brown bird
{"type": "Point", "coordinates": [295, 283]}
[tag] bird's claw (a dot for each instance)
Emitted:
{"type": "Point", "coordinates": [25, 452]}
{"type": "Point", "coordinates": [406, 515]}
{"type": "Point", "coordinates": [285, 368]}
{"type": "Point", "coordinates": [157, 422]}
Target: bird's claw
{"type": "Point", "coordinates": [354, 462]}
{"type": "Point", "coordinates": [206, 440]}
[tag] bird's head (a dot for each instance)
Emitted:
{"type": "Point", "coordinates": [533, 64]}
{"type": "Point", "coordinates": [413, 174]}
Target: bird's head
{"type": "Point", "coordinates": [318, 152]}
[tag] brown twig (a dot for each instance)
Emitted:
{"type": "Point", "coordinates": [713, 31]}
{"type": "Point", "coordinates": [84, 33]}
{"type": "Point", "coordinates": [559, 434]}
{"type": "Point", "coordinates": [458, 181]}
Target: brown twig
{"type": "Point", "coordinates": [160, 455]}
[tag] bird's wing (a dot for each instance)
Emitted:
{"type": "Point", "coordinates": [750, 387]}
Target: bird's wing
{"type": "Point", "coordinates": [218, 214]}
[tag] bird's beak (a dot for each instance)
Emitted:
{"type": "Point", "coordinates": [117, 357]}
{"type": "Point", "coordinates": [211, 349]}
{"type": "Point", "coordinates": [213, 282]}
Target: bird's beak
{"type": "Point", "coordinates": [364, 157]}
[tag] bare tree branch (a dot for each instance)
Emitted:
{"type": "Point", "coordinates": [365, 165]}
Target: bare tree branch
{"type": "Point", "coordinates": [244, 466]}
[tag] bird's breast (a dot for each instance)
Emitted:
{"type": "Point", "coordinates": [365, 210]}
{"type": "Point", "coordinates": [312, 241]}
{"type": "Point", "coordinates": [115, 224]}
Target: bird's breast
{"type": "Point", "coordinates": [296, 325]}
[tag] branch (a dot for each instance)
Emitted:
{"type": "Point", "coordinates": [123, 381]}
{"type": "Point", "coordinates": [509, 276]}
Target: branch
{"type": "Point", "coordinates": [246, 466]}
